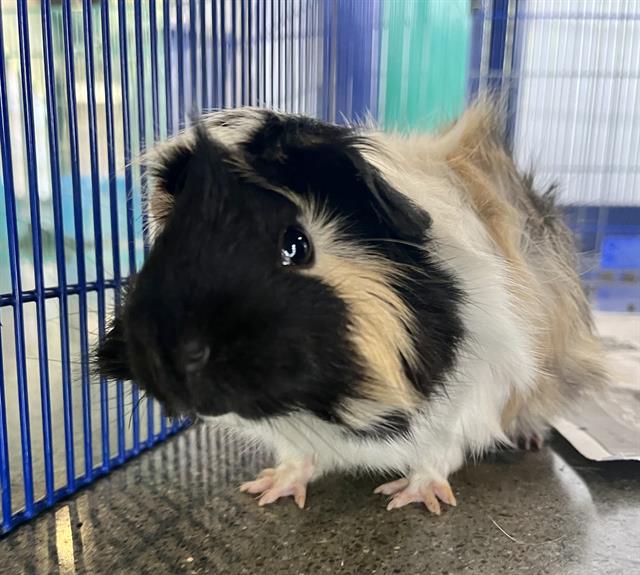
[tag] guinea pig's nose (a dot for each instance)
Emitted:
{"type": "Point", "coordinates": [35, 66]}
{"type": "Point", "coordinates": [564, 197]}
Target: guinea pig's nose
{"type": "Point", "coordinates": [194, 355]}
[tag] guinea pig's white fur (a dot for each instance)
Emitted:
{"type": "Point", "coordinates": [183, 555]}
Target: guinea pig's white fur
{"type": "Point", "coordinates": [528, 348]}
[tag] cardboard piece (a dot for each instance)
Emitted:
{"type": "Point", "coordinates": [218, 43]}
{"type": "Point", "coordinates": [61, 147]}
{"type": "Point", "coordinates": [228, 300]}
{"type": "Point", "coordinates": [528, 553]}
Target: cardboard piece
{"type": "Point", "coordinates": [606, 427]}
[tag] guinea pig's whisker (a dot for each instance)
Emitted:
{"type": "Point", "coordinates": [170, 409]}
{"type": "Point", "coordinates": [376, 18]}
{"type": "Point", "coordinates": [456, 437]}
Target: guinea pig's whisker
{"type": "Point", "coordinates": [281, 428]}
{"type": "Point", "coordinates": [54, 360]}
{"type": "Point", "coordinates": [322, 439]}
{"type": "Point", "coordinates": [136, 407]}
{"type": "Point", "coordinates": [71, 314]}
{"type": "Point", "coordinates": [395, 241]}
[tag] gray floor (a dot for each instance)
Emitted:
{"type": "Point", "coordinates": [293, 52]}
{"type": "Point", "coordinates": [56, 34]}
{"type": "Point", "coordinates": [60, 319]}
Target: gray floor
{"type": "Point", "coordinates": [177, 510]}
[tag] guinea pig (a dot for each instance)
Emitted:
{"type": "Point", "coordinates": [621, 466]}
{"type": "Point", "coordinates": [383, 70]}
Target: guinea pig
{"type": "Point", "coordinates": [355, 300]}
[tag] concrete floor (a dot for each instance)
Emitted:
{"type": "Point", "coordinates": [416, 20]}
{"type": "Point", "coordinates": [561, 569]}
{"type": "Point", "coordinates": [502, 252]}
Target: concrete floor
{"type": "Point", "coordinates": [177, 510]}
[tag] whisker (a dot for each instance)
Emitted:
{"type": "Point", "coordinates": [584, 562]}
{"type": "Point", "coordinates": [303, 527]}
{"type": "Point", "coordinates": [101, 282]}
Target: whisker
{"type": "Point", "coordinates": [53, 359]}
{"type": "Point", "coordinates": [136, 407]}
{"type": "Point", "coordinates": [315, 432]}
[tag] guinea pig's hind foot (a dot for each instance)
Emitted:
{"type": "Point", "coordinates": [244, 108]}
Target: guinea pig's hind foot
{"type": "Point", "coordinates": [529, 441]}
{"type": "Point", "coordinates": [418, 489]}
{"type": "Point", "coordinates": [289, 478]}
{"type": "Point", "coordinates": [533, 442]}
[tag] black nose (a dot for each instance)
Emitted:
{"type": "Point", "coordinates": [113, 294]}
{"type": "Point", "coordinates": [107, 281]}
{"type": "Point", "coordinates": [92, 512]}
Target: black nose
{"type": "Point", "coordinates": [194, 355]}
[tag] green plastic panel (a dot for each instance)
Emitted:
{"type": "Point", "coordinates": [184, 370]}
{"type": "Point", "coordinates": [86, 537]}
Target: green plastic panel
{"type": "Point", "coordinates": [424, 62]}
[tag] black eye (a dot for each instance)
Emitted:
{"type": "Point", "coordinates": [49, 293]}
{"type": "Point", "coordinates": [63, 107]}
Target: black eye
{"type": "Point", "coordinates": [295, 248]}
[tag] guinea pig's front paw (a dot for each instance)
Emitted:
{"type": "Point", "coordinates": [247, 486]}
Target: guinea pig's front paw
{"type": "Point", "coordinates": [289, 478]}
{"type": "Point", "coordinates": [418, 489]}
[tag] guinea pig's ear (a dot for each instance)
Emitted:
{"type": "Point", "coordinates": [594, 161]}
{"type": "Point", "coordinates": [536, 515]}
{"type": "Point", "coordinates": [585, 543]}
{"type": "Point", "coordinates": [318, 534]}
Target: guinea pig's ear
{"type": "Point", "coordinates": [111, 358]}
{"type": "Point", "coordinates": [325, 160]}
{"type": "Point", "coordinates": [173, 166]}
{"type": "Point", "coordinates": [170, 166]}
{"type": "Point", "coordinates": [167, 170]}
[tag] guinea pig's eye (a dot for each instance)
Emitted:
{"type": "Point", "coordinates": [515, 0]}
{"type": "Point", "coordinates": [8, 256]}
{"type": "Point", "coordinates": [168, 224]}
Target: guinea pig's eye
{"type": "Point", "coordinates": [295, 247]}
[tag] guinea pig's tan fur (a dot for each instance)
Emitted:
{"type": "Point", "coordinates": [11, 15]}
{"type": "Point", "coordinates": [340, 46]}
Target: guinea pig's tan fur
{"type": "Point", "coordinates": [381, 325]}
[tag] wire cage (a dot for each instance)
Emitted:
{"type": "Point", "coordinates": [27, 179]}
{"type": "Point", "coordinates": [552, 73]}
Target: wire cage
{"type": "Point", "coordinates": [86, 86]}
